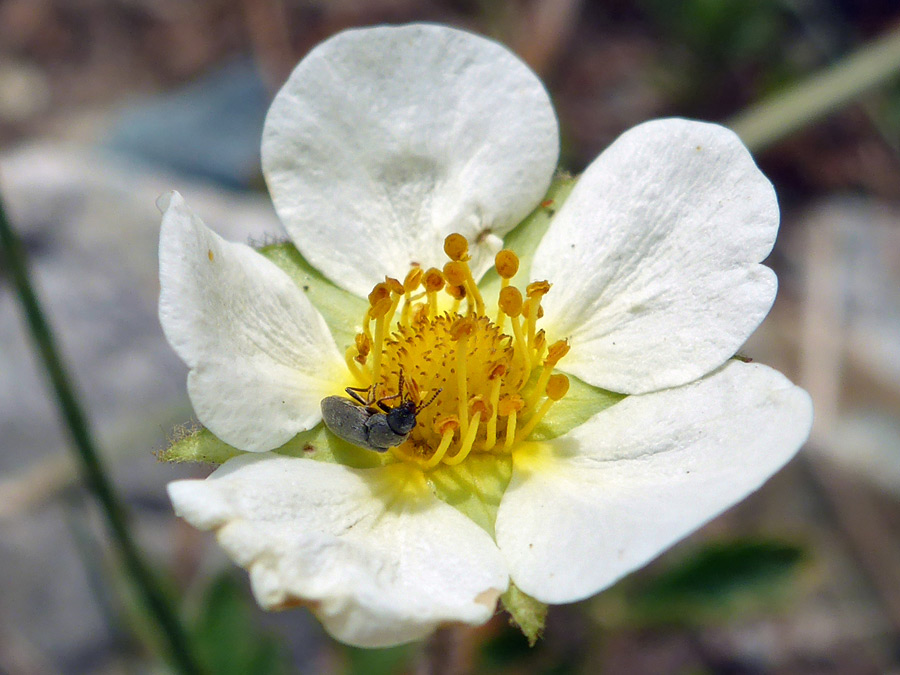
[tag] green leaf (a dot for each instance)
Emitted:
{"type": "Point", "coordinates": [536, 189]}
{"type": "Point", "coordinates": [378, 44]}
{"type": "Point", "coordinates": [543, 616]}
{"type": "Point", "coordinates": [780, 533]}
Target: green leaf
{"type": "Point", "coordinates": [717, 582]}
{"type": "Point", "coordinates": [474, 487]}
{"type": "Point", "coordinates": [526, 613]}
{"type": "Point", "coordinates": [227, 638]}
{"type": "Point", "coordinates": [342, 310]}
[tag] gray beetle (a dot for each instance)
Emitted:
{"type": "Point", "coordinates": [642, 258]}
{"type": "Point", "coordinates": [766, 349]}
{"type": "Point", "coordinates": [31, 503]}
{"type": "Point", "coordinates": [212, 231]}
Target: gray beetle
{"type": "Point", "coordinates": [370, 423]}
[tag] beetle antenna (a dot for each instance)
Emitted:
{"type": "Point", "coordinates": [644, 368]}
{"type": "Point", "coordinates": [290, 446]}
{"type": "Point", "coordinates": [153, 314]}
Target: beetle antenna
{"type": "Point", "coordinates": [428, 403]}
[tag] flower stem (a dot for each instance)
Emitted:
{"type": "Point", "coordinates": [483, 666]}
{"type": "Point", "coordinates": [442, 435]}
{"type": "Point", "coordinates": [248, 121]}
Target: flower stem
{"type": "Point", "coordinates": [13, 255]}
{"type": "Point", "coordinates": [774, 118]}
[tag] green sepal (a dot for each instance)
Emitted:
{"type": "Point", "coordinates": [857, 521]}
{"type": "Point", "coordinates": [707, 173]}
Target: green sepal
{"type": "Point", "coordinates": [474, 487]}
{"type": "Point", "coordinates": [341, 309]}
{"type": "Point", "coordinates": [526, 613]}
{"type": "Point", "coordinates": [201, 445]}
{"type": "Point", "coordinates": [193, 443]}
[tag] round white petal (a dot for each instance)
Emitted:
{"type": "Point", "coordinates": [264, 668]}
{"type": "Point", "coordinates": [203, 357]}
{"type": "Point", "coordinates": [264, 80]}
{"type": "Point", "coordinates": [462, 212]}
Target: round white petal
{"type": "Point", "coordinates": [260, 355]}
{"type": "Point", "coordinates": [385, 140]}
{"type": "Point", "coordinates": [655, 254]}
{"type": "Point", "coordinates": [615, 492]}
{"type": "Point", "coordinates": [376, 556]}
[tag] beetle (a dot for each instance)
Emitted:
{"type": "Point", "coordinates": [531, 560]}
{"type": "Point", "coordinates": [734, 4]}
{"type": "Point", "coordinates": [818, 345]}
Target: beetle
{"type": "Point", "coordinates": [370, 423]}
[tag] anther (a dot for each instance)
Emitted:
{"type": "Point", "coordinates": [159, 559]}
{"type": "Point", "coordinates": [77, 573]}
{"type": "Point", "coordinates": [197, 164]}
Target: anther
{"type": "Point", "coordinates": [413, 279]}
{"type": "Point", "coordinates": [537, 288]}
{"type": "Point", "coordinates": [394, 285]}
{"type": "Point", "coordinates": [511, 301]}
{"type": "Point", "coordinates": [557, 350]}
{"type": "Point", "coordinates": [380, 308]}
{"type": "Point", "coordinates": [363, 345]}
{"type": "Point", "coordinates": [456, 247]}
{"type": "Point", "coordinates": [507, 264]}
{"type": "Point", "coordinates": [434, 280]}
{"type": "Point", "coordinates": [455, 273]}
{"type": "Point", "coordinates": [378, 293]}
{"type": "Point", "coordinates": [557, 387]}
{"type": "Point", "coordinates": [509, 408]}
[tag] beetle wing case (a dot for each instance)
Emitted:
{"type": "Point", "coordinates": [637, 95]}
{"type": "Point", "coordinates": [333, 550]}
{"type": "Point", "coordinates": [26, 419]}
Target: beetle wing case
{"type": "Point", "coordinates": [347, 420]}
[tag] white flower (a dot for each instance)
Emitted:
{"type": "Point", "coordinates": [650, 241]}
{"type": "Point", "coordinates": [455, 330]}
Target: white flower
{"type": "Point", "coordinates": [382, 143]}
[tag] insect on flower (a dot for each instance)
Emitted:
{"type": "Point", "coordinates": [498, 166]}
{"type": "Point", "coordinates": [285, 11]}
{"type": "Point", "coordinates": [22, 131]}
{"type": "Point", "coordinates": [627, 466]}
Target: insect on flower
{"type": "Point", "coordinates": [369, 422]}
{"type": "Point", "coordinates": [581, 430]}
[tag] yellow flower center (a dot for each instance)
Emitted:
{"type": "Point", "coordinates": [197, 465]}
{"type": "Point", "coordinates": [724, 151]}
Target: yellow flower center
{"type": "Point", "coordinates": [477, 387]}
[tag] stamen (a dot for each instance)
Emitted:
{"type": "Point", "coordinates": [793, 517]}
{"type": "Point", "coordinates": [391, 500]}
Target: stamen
{"type": "Point", "coordinates": [410, 283]}
{"type": "Point", "coordinates": [456, 247]}
{"type": "Point", "coordinates": [381, 313]}
{"type": "Point", "coordinates": [350, 357]}
{"type": "Point", "coordinates": [457, 293]}
{"type": "Point", "coordinates": [460, 331]}
{"type": "Point", "coordinates": [507, 264]}
{"type": "Point", "coordinates": [557, 350]}
{"type": "Point", "coordinates": [446, 427]}
{"type": "Point", "coordinates": [509, 408]}
{"type": "Point", "coordinates": [496, 378]}
{"type": "Point", "coordinates": [511, 303]}
{"type": "Point", "coordinates": [557, 387]}
{"type": "Point", "coordinates": [535, 291]}
{"type": "Point", "coordinates": [414, 349]}
{"type": "Point", "coordinates": [467, 442]}
{"type": "Point", "coordinates": [433, 282]}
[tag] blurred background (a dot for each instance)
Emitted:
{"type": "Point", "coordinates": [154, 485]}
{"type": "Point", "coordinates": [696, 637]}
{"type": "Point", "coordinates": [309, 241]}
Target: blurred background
{"type": "Point", "coordinates": [105, 104]}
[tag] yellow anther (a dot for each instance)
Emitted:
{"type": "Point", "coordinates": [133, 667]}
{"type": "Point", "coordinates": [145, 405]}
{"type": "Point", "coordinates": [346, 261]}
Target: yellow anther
{"type": "Point", "coordinates": [557, 387]}
{"type": "Point", "coordinates": [447, 423]}
{"type": "Point", "coordinates": [363, 344]}
{"type": "Point", "coordinates": [394, 285]}
{"type": "Point", "coordinates": [507, 264]}
{"type": "Point", "coordinates": [456, 292]}
{"type": "Point", "coordinates": [413, 279]}
{"type": "Point", "coordinates": [511, 301]}
{"type": "Point", "coordinates": [462, 327]}
{"type": "Point", "coordinates": [378, 293]}
{"type": "Point", "coordinates": [537, 288]}
{"type": "Point", "coordinates": [434, 280]}
{"type": "Point", "coordinates": [478, 404]}
{"type": "Point", "coordinates": [557, 350]}
{"type": "Point", "coordinates": [380, 308]}
{"type": "Point", "coordinates": [510, 404]}
{"type": "Point", "coordinates": [456, 247]}
{"type": "Point", "coordinates": [455, 273]}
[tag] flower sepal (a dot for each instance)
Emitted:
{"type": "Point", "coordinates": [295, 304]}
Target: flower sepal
{"type": "Point", "coordinates": [200, 445]}
{"type": "Point", "coordinates": [526, 613]}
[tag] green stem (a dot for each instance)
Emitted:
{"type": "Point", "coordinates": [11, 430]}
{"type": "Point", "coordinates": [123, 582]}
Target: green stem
{"type": "Point", "coordinates": [13, 255]}
{"type": "Point", "coordinates": [774, 118]}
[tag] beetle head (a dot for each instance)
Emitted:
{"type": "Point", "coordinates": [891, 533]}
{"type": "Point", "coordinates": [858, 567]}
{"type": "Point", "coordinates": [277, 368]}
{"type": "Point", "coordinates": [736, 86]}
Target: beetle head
{"type": "Point", "coordinates": [402, 419]}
